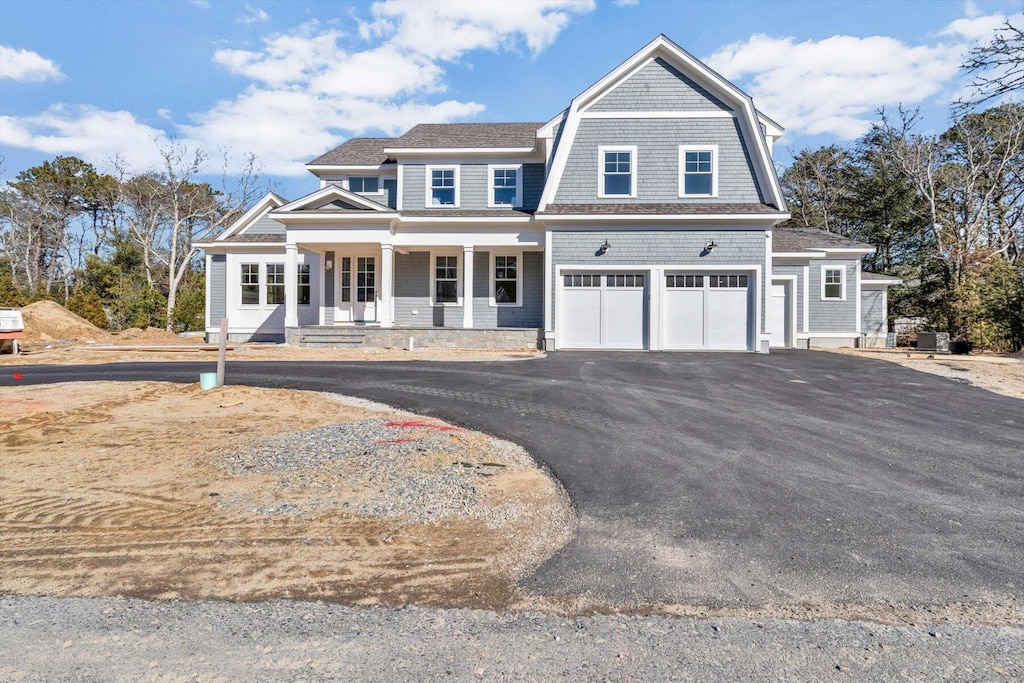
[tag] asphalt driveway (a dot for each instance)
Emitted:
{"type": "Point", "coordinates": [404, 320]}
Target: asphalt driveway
{"type": "Point", "coordinates": [727, 479]}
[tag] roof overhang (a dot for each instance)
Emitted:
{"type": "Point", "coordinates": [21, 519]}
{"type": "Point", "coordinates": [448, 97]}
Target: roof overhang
{"type": "Point", "coordinates": [476, 220]}
{"type": "Point", "coordinates": [328, 194]}
{"type": "Point", "coordinates": [236, 245]}
{"type": "Point", "coordinates": [888, 282]}
{"type": "Point", "coordinates": [338, 217]}
{"type": "Point", "coordinates": [848, 251]}
{"type": "Point", "coordinates": [664, 218]}
{"type": "Point", "coordinates": [798, 254]}
{"type": "Point", "coordinates": [317, 169]}
{"type": "Point", "coordinates": [461, 151]}
{"type": "Point", "coordinates": [268, 202]}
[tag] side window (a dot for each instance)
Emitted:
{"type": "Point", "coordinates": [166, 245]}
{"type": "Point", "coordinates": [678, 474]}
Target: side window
{"type": "Point", "coordinates": [251, 284]}
{"type": "Point", "coordinates": [446, 279]}
{"type": "Point", "coordinates": [697, 172]}
{"type": "Point", "coordinates": [275, 283]}
{"type": "Point", "coordinates": [832, 283]}
{"type": "Point", "coordinates": [346, 279]}
{"type": "Point", "coordinates": [303, 280]}
{"type": "Point", "coordinates": [364, 184]}
{"type": "Point", "coordinates": [618, 177]}
{"type": "Point", "coordinates": [506, 279]}
{"type": "Point", "coordinates": [443, 187]}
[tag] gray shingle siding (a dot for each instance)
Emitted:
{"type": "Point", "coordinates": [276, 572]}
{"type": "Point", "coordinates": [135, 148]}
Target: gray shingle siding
{"type": "Point", "coordinates": [833, 316]}
{"type": "Point", "coordinates": [390, 186]}
{"type": "Point", "coordinates": [656, 247]}
{"type": "Point", "coordinates": [329, 290]}
{"type": "Point", "coordinates": [659, 87]}
{"type": "Point", "coordinates": [218, 276]}
{"type": "Point", "coordinates": [530, 314]}
{"type": "Point", "coordinates": [473, 185]}
{"type": "Point", "coordinates": [872, 312]}
{"type": "Point", "coordinates": [265, 225]}
{"type": "Point", "coordinates": [798, 271]}
{"type": "Point", "coordinates": [657, 164]}
{"type": "Point", "coordinates": [412, 293]}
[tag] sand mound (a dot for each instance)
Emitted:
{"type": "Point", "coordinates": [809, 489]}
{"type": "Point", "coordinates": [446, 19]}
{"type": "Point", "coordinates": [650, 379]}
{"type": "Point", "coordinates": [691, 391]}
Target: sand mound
{"type": "Point", "coordinates": [151, 336]}
{"type": "Point", "coordinates": [48, 321]}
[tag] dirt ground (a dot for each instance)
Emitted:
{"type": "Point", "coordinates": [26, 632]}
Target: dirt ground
{"type": "Point", "coordinates": [113, 489]}
{"type": "Point", "coordinates": [1000, 374]}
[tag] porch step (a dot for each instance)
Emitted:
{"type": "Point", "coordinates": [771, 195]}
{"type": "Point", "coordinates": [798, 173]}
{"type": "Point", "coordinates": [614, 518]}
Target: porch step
{"type": "Point", "coordinates": [331, 337]}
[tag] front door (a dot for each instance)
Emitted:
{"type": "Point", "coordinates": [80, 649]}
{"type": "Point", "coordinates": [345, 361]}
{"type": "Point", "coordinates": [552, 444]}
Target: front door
{"type": "Point", "coordinates": [364, 300]}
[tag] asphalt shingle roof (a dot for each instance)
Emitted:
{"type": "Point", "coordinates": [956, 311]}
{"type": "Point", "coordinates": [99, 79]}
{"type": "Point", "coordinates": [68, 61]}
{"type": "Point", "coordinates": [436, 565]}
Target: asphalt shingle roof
{"type": "Point", "coordinates": [659, 209]}
{"type": "Point", "coordinates": [786, 240]}
{"type": "Point", "coordinates": [356, 152]}
{"type": "Point", "coordinates": [469, 135]}
{"type": "Point", "coordinates": [865, 275]}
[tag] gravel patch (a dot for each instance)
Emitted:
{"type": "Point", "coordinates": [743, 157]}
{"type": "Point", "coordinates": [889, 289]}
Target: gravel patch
{"type": "Point", "coordinates": [397, 467]}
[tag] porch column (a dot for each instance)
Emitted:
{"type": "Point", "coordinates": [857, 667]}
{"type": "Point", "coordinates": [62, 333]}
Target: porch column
{"type": "Point", "coordinates": [291, 285]}
{"type": "Point", "coordinates": [387, 278]}
{"type": "Point", "coordinates": [467, 287]}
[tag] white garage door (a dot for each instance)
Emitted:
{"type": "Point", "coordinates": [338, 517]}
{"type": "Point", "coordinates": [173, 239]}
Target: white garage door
{"type": "Point", "coordinates": [602, 311]}
{"type": "Point", "coordinates": [707, 311]}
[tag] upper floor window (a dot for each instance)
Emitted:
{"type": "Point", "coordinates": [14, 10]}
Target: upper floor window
{"type": "Point", "coordinates": [442, 186]}
{"type": "Point", "coordinates": [698, 171]}
{"type": "Point", "coordinates": [506, 186]}
{"type": "Point", "coordinates": [832, 283]}
{"type": "Point", "coordinates": [364, 184]}
{"type": "Point", "coordinates": [617, 175]}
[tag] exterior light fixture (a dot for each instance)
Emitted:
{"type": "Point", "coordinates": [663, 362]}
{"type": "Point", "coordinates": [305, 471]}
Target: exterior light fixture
{"type": "Point", "coordinates": [710, 246]}
{"type": "Point", "coordinates": [329, 264]}
{"type": "Point", "coordinates": [605, 247]}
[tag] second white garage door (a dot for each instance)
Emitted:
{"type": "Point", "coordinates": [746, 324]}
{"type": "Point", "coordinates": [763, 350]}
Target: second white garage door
{"type": "Point", "coordinates": [603, 311]}
{"type": "Point", "coordinates": [707, 311]}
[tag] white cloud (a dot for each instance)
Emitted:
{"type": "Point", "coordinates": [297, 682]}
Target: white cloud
{"type": "Point", "coordinates": [627, 3]}
{"type": "Point", "coordinates": [201, 4]}
{"type": "Point", "coordinates": [27, 66]}
{"type": "Point", "coordinates": [835, 85]}
{"type": "Point", "coordinates": [253, 15]}
{"type": "Point", "coordinates": [312, 87]}
{"type": "Point", "coordinates": [94, 134]}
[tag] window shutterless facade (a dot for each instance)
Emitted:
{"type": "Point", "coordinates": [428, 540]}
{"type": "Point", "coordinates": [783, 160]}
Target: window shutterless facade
{"type": "Point", "coordinates": [506, 280]}
{"type": "Point", "coordinates": [443, 186]}
{"type": "Point", "coordinates": [275, 283]}
{"type": "Point", "coordinates": [364, 184]}
{"type": "Point", "coordinates": [346, 279]}
{"type": "Point", "coordinates": [250, 284]}
{"type": "Point", "coordinates": [616, 172]}
{"type": "Point", "coordinates": [833, 283]}
{"type": "Point", "coordinates": [446, 279]}
{"type": "Point", "coordinates": [304, 289]}
{"type": "Point", "coordinates": [698, 171]}
{"type": "Point", "coordinates": [506, 187]}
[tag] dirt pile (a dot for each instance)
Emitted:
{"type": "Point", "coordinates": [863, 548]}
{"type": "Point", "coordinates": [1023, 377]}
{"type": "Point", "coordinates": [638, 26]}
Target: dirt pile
{"type": "Point", "coordinates": [48, 322]}
{"type": "Point", "coordinates": [152, 336]}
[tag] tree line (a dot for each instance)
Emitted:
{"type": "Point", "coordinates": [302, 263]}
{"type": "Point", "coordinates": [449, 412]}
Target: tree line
{"type": "Point", "coordinates": [118, 249]}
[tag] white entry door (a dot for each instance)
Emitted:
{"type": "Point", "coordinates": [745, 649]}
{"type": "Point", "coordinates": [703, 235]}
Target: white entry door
{"type": "Point", "coordinates": [708, 311]}
{"type": "Point", "coordinates": [779, 323]}
{"type": "Point", "coordinates": [603, 311]}
{"type": "Point", "coordinates": [364, 293]}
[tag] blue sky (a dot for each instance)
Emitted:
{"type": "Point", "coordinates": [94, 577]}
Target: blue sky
{"type": "Point", "coordinates": [289, 80]}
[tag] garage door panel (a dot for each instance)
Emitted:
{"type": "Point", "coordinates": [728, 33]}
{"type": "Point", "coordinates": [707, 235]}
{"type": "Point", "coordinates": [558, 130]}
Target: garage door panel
{"type": "Point", "coordinates": [624, 318]}
{"type": "Point", "coordinates": [581, 317]}
{"type": "Point", "coordinates": [727, 318]}
{"type": "Point", "coordinates": [684, 319]}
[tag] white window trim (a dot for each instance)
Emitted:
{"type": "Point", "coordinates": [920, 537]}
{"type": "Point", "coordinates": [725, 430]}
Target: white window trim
{"type": "Point", "coordinates": [260, 279]}
{"type": "Point", "coordinates": [600, 170]}
{"type": "Point", "coordinates": [458, 277]}
{"type": "Point", "coordinates": [266, 282]}
{"type": "Point", "coordinates": [427, 192]}
{"type": "Point", "coordinates": [298, 283]}
{"type": "Point", "coordinates": [518, 201]}
{"type": "Point", "coordinates": [519, 279]}
{"type": "Point", "coordinates": [380, 185]}
{"type": "Point", "coordinates": [842, 282]}
{"type": "Point", "coordinates": [683, 149]}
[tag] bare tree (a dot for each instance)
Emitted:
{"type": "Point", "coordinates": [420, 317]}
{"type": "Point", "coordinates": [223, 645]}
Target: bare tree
{"type": "Point", "coordinates": [998, 67]}
{"type": "Point", "coordinates": [817, 188]}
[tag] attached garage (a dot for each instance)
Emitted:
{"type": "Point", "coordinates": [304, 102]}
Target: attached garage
{"type": "Point", "coordinates": [603, 310]}
{"type": "Point", "coordinates": [707, 311]}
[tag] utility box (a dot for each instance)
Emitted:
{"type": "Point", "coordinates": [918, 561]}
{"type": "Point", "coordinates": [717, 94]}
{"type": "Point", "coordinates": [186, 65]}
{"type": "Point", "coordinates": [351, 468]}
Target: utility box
{"type": "Point", "coordinates": [936, 342]}
{"type": "Point", "coordinates": [12, 329]}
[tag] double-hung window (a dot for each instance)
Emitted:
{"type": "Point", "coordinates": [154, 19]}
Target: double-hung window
{"type": "Point", "coordinates": [303, 284]}
{"type": "Point", "coordinates": [275, 283]}
{"type": "Point", "coordinates": [446, 279]}
{"type": "Point", "coordinates": [443, 186]}
{"type": "Point", "coordinates": [698, 171]}
{"type": "Point", "coordinates": [506, 185]}
{"type": "Point", "coordinates": [364, 184]}
{"type": "Point", "coordinates": [617, 175]}
{"type": "Point", "coordinates": [251, 284]}
{"type": "Point", "coordinates": [832, 284]}
{"type": "Point", "coordinates": [506, 280]}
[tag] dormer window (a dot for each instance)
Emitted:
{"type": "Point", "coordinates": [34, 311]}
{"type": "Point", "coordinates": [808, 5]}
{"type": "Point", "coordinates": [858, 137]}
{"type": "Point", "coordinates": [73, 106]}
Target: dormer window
{"type": "Point", "coordinates": [506, 185]}
{"type": "Point", "coordinates": [617, 172]}
{"type": "Point", "coordinates": [698, 171]}
{"type": "Point", "coordinates": [364, 184]}
{"type": "Point", "coordinates": [443, 186]}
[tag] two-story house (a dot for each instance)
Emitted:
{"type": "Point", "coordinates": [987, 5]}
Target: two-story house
{"type": "Point", "coordinates": [640, 217]}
